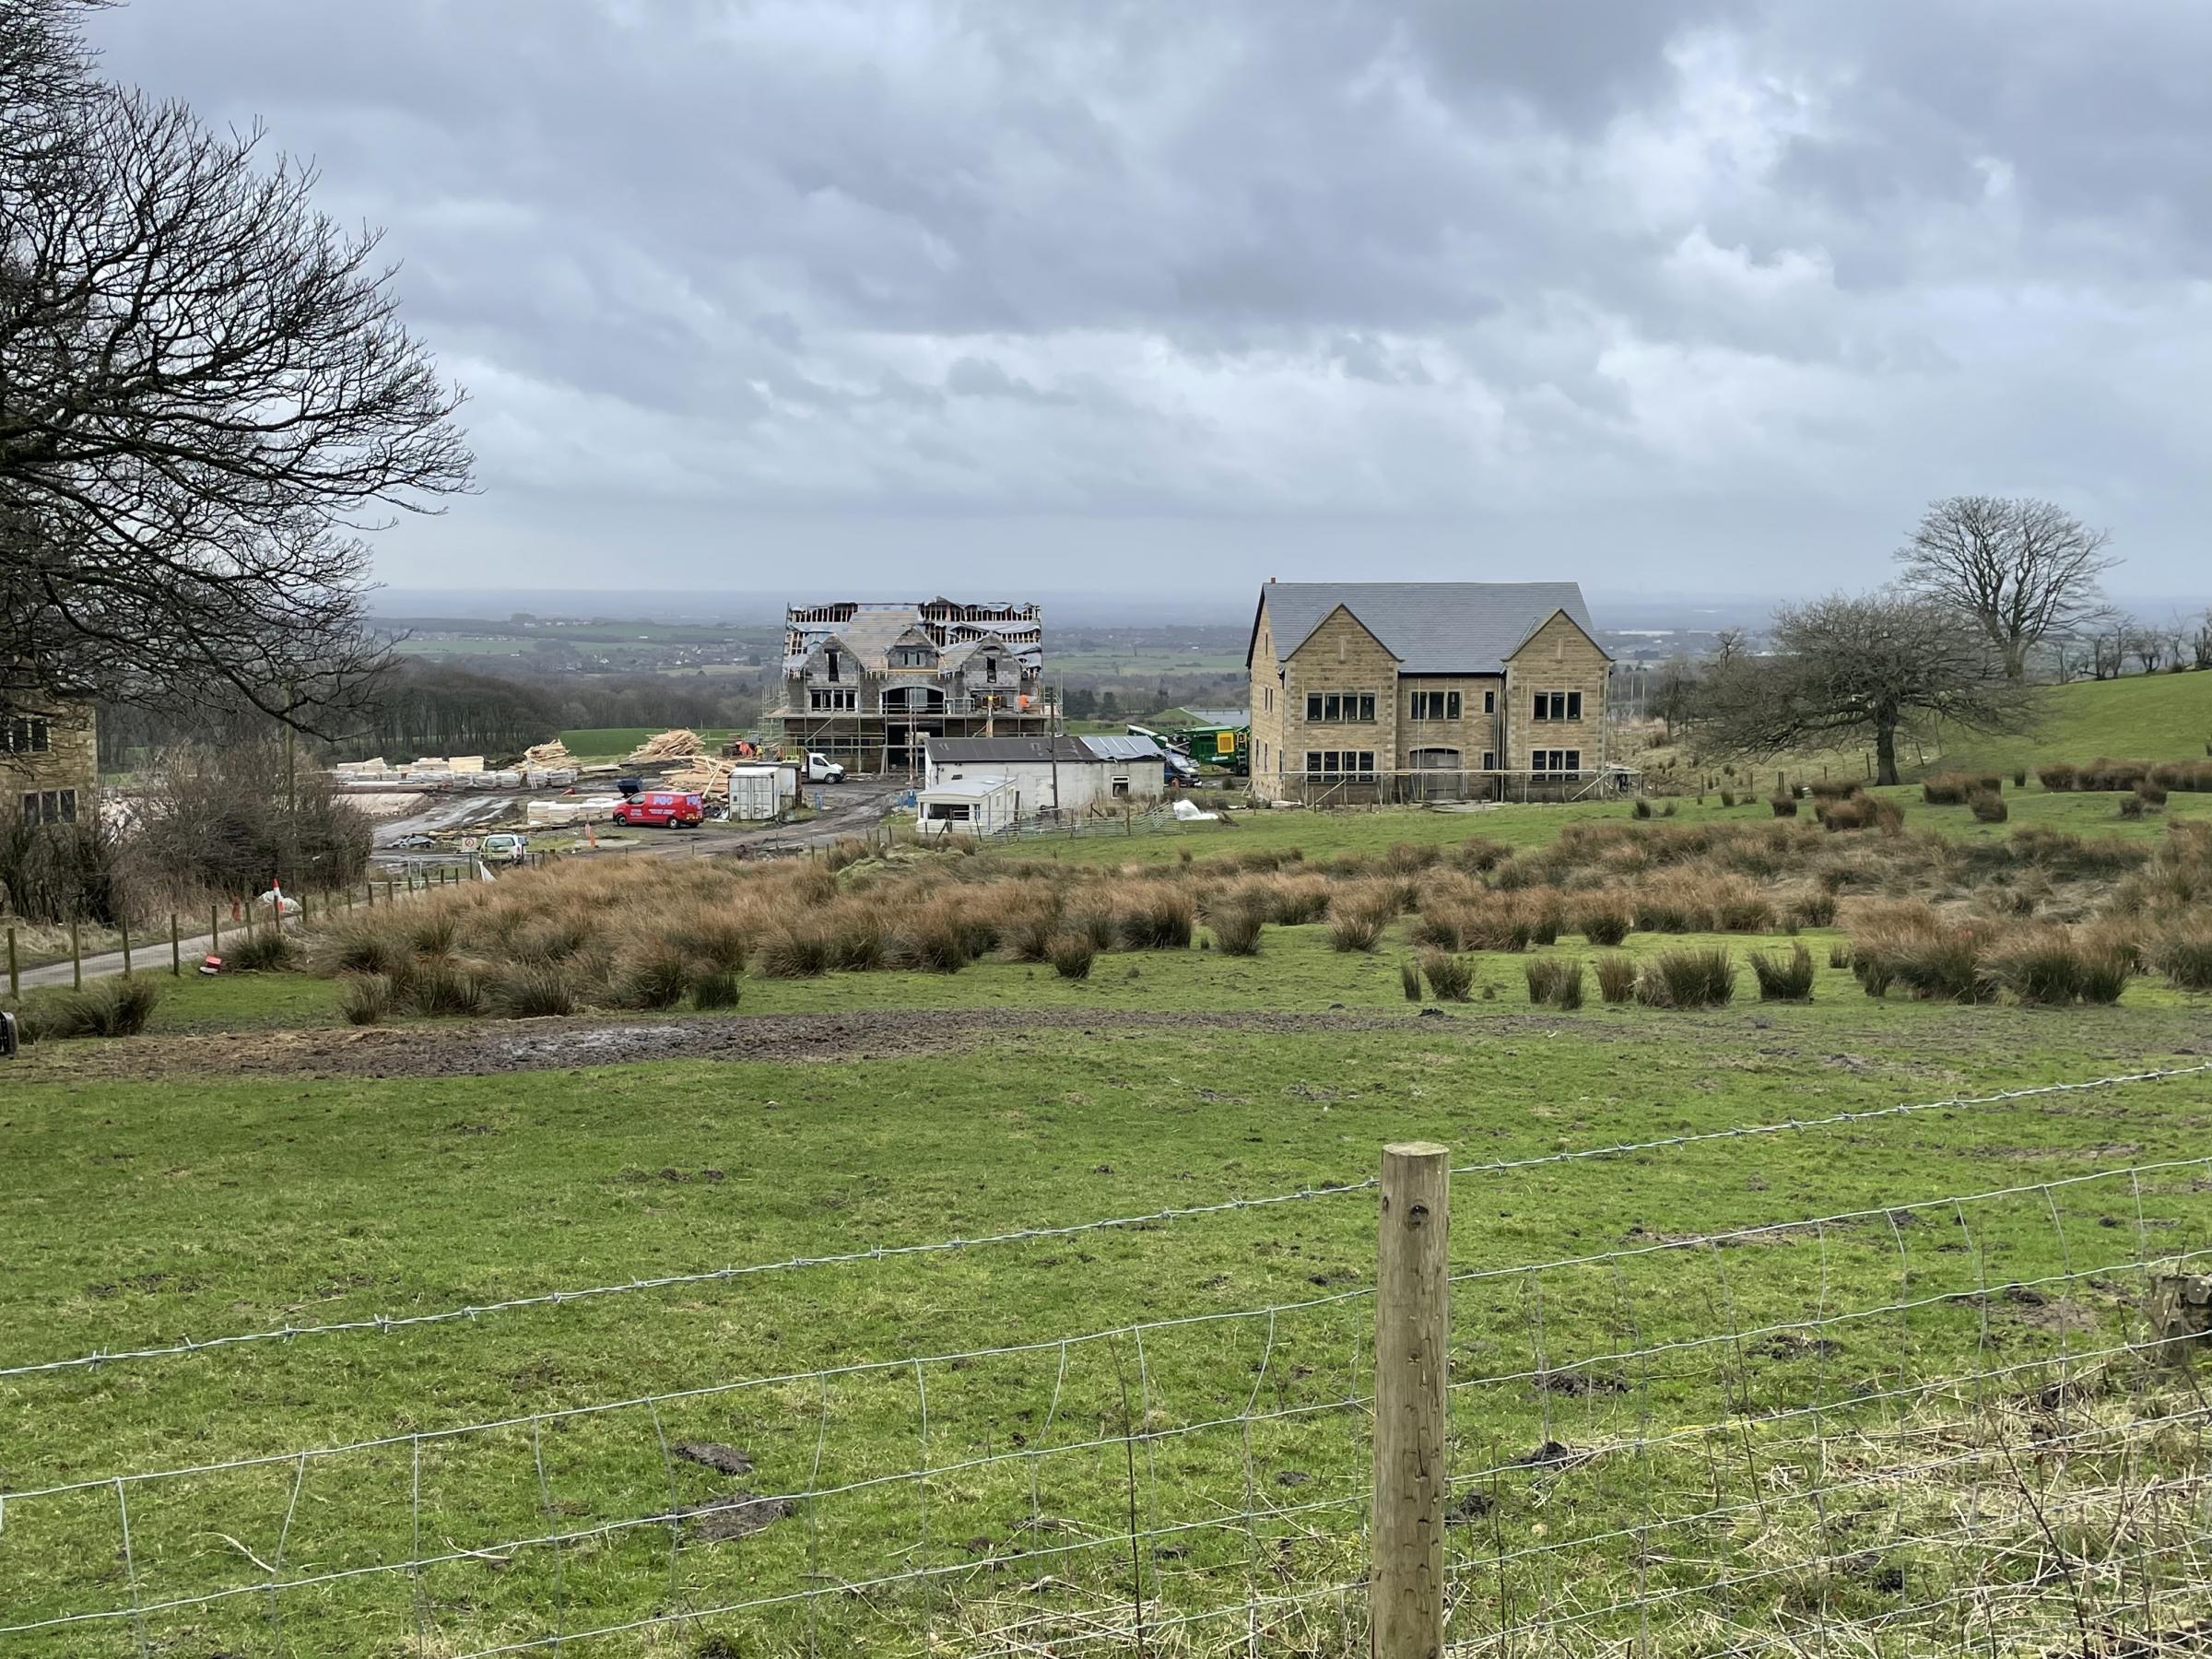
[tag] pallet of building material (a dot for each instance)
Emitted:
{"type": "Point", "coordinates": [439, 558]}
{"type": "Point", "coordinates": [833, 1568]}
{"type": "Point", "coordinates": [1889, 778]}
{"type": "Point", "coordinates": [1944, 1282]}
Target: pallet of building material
{"type": "Point", "coordinates": [710, 775]}
{"type": "Point", "coordinates": [547, 757]}
{"type": "Point", "coordinates": [681, 744]}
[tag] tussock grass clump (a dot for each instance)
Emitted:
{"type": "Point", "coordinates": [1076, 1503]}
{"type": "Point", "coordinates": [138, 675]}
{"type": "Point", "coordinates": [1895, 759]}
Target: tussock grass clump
{"type": "Point", "coordinates": [1987, 808]}
{"type": "Point", "coordinates": [1555, 980]}
{"type": "Point", "coordinates": [1785, 806]}
{"type": "Point", "coordinates": [658, 977]}
{"type": "Point", "coordinates": [2182, 952]}
{"type": "Point", "coordinates": [1839, 954]}
{"type": "Point", "coordinates": [1688, 978]}
{"type": "Point", "coordinates": [1478, 855]}
{"type": "Point", "coordinates": [267, 951]}
{"type": "Point", "coordinates": [532, 991]}
{"type": "Point", "coordinates": [1355, 930]}
{"type": "Point", "coordinates": [1450, 977]}
{"type": "Point", "coordinates": [434, 935]}
{"type": "Point", "coordinates": [2150, 794]}
{"type": "Point", "coordinates": [1157, 915]}
{"type": "Point", "coordinates": [1642, 809]}
{"type": "Point", "coordinates": [442, 986]}
{"type": "Point", "coordinates": [1071, 954]}
{"type": "Point", "coordinates": [2058, 775]}
{"type": "Point", "coordinates": [1783, 979]}
{"type": "Point", "coordinates": [1841, 790]}
{"type": "Point", "coordinates": [800, 948]}
{"type": "Point", "coordinates": [1410, 980]}
{"type": "Point", "coordinates": [1236, 929]}
{"type": "Point", "coordinates": [365, 999]}
{"type": "Point", "coordinates": [725, 940]}
{"type": "Point", "coordinates": [1616, 977]}
{"type": "Point", "coordinates": [1816, 909]}
{"type": "Point", "coordinates": [2131, 807]}
{"type": "Point", "coordinates": [1407, 858]}
{"type": "Point", "coordinates": [1909, 945]}
{"type": "Point", "coordinates": [107, 1007]}
{"type": "Point", "coordinates": [1862, 812]}
{"type": "Point", "coordinates": [714, 989]}
{"type": "Point", "coordinates": [936, 937]}
{"type": "Point", "coordinates": [360, 948]}
{"type": "Point", "coordinates": [1603, 919]}
{"type": "Point", "coordinates": [1959, 789]}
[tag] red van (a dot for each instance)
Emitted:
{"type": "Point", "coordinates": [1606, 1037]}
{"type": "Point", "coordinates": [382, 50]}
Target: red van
{"type": "Point", "coordinates": [667, 807]}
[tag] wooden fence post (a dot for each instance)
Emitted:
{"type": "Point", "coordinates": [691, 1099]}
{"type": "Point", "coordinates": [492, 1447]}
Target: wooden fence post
{"type": "Point", "coordinates": [214, 930]}
{"type": "Point", "coordinates": [176, 948]}
{"type": "Point", "coordinates": [15, 972]}
{"type": "Point", "coordinates": [1406, 1588]}
{"type": "Point", "coordinates": [124, 926]}
{"type": "Point", "coordinates": [77, 959]}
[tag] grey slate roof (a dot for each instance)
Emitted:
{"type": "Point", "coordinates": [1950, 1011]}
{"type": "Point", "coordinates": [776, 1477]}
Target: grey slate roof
{"type": "Point", "coordinates": [970, 751]}
{"type": "Point", "coordinates": [1431, 627]}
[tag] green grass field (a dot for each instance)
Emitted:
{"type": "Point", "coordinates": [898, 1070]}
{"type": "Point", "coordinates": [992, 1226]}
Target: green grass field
{"type": "Point", "coordinates": [1372, 831]}
{"type": "Point", "coordinates": [614, 743]}
{"type": "Point", "coordinates": [2148, 717]}
{"type": "Point", "coordinates": [1751, 1437]}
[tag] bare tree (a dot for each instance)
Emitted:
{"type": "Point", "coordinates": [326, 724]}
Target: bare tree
{"type": "Point", "coordinates": [2200, 641]}
{"type": "Point", "coordinates": [2023, 570]}
{"type": "Point", "coordinates": [205, 397]}
{"type": "Point", "coordinates": [2147, 643]}
{"type": "Point", "coordinates": [1860, 669]}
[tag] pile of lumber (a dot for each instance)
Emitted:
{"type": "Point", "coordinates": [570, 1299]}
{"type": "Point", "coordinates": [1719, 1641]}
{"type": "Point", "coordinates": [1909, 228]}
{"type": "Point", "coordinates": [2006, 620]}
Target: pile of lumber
{"type": "Point", "coordinates": [678, 744]}
{"type": "Point", "coordinates": [706, 775]}
{"type": "Point", "coordinates": [546, 757]}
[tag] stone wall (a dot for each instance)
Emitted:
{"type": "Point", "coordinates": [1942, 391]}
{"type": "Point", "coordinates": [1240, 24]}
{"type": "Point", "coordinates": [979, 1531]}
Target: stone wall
{"type": "Point", "coordinates": [1557, 657]}
{"type": "Point", "coordinates": [1474, 734]}
{"type": "Point", "coordinates": [1341, 657]}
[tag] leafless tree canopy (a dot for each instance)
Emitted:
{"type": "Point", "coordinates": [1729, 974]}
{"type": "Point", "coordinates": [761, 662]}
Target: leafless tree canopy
{"type": "Point", "coordinates": [205, 395]}
{"type": "Point", "coordinates": [2025, 570]}
{"type": "Point", "coordinates": [1848, 670]}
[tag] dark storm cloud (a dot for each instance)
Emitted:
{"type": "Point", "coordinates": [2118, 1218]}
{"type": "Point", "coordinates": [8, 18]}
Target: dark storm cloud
{"type": "Point", "coordinates": [1696, 266]}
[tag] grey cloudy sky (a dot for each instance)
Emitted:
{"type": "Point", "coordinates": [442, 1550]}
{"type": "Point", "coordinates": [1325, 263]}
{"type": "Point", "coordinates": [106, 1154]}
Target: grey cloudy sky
{"type": "Point", "coordinates": [1665, 295]}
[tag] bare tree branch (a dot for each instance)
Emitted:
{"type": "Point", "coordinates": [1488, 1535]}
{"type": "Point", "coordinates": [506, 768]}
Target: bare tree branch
{"type": "Point", "coordinates": [1854, 670]}
{"type": "Point", "coordinates": [2025, 570]}
{"type": "Point", "coordinates": [206, 396]}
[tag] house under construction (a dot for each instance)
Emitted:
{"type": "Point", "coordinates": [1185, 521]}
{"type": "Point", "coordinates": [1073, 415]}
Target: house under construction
{"type": "Point", "coordinates": [869, 683]}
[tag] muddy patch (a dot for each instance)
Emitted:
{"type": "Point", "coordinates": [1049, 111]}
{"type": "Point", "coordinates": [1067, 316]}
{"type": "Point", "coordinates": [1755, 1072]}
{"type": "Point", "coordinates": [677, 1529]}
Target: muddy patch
{"type": "Point", "coordinates": [733, 1515]}
{"type": "Point", "coordinates": [477, 1047]}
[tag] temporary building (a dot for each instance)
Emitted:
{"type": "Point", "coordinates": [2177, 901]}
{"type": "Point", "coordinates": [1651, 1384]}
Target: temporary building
{"type": "Point", "coordinates": [759, 792]}
{"type": "Point", "coordinates": [1057, 777]}
{"type": "Point", "coordinates": [974, 806]}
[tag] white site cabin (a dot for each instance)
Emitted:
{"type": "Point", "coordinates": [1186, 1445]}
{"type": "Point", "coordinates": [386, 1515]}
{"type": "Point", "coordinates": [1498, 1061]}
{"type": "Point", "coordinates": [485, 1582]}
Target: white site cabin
{"type": "Point", "coordinates": [968, 807]}
{"type": "Point", "coordinates": [1054, 778]}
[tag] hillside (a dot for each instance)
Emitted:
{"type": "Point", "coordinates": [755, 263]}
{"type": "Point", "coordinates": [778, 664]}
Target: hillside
{"type": "Point", "coordinates": [2149, 717]}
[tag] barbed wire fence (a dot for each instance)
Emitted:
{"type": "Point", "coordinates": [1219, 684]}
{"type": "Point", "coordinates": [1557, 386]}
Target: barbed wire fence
{"type": "Point", "coordinates": [1959, 1423]}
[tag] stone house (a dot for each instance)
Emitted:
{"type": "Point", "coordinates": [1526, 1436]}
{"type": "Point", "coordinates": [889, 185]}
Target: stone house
{"type": "Point", "coordinates": [50, 765]}
{"type": "Point", "coordinates": [1425, 690]}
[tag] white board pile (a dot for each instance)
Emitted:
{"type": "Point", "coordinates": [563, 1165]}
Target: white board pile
{"type": "Point", "coordinates": [547, 757]}
{"type": "Point", "coordinates": [592, 809]}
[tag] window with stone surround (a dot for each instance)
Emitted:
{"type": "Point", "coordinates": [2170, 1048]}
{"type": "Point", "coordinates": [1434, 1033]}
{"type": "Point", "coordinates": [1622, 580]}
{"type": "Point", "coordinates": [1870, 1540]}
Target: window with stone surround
{"type": "Point", "coordinates": [1357, 766]}
{"type": "Point", "coordinates": [1555, 760]}
{"type": "Point", "coordinates": [1435, 705]}
{"type": "Point", "coordinates": [1334, 706]}
{"type": "Point", "coordinates": [1556, 705]}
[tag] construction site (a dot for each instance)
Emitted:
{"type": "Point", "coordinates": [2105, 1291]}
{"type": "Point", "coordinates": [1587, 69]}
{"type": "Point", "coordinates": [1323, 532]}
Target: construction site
{"type": "Point", "coordinates": [868, 683]}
